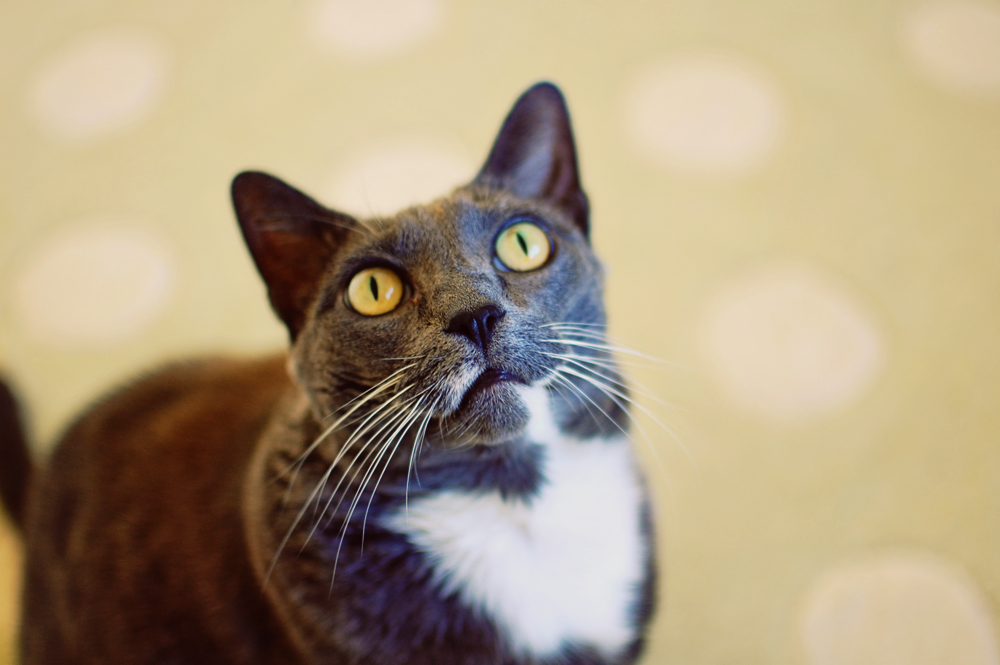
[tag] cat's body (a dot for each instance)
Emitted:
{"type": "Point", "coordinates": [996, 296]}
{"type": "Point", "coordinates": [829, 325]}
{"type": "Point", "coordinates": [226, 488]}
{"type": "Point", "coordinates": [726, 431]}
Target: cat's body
{"type": "Point", "coordinates": [440, 475]}
{"type": "Point", "coordinates": [136, 550]}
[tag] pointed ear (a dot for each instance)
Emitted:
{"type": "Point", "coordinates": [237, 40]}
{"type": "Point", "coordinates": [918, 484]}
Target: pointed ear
{"type": "Point", "coordinates": [291, 239]}
{"type": "Point", "coordinates": [534, 156]}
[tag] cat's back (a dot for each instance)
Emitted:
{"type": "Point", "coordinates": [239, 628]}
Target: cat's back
{"type": "Point", "coordinates": [134, 532]}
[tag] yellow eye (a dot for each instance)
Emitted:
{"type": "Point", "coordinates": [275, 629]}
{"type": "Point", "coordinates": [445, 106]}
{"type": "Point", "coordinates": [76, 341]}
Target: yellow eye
{"type": "Point", "coordinates": [375, 291]}
{"type": "Point", "coordinates": [523, 246]}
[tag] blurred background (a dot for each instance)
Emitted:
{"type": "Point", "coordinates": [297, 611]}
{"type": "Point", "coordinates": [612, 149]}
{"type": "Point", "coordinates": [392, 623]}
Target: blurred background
{"type": "Point", "coordinates": [798, 202]}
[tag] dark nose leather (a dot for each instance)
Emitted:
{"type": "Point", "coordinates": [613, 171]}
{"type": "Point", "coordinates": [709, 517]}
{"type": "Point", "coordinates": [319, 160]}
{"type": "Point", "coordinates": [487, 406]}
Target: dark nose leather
{"type": "Point", "coordinates": [477, 325]}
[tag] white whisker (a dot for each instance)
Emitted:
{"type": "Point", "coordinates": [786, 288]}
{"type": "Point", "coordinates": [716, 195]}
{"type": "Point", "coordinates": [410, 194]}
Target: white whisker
{"type": "Point", "coordinates": [587, 397]}
{"type": "Point", "coordinates": [588, 364]}
{"type": "Point", "coordinates": [415, 452]}
{"type": "Point", "coordinates": [357, 403]}
{"type": "Point", "coordinates": [613, 349]}
{"type": "Point", "coordinates": [387, 419]}
{"type": "Point", "coordinates": [398, 435]}
{"type": "Point", "coordinates": [400, 429]}
{"type": "Point", "coordinates": [573, 324]}
{"type": "Point", "coordinates": [615, 395]}
{"type": "Point", "coordinates": [325, 477]}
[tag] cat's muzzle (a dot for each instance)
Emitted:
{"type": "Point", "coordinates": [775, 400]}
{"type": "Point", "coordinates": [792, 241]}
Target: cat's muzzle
{"type": "Point", "coordinates": [491, 409]}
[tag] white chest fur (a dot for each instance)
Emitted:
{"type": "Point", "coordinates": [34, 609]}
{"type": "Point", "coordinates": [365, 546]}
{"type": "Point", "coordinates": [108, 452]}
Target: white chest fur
{"type": "Point", "coordinates": [566, 567]}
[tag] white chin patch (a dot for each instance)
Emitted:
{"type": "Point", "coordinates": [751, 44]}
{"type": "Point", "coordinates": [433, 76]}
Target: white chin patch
{"type": "Point", "coordinates": [565, 568]}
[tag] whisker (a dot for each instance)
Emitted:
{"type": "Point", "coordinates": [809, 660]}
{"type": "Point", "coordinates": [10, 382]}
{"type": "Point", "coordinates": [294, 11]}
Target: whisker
{"type": "Point", "coordinates": [387, 422]}
{"type": "Point", "coordinates": [371, 393]}
{"type": "Point", "coordinates": [581, 324]}
{"type": "Point", "coordinates": [570, 384]}
{"type": "Point", "coordinates": [387, 419]}
{"type": "Point", "coordinates": [584, 334]}
{"type": "Point", "coordinates": [414, 454]}
{"type": "Point", "coordinates": [645, 436]}
{"type": "Point", "coordinates": [595, 333]}
{"type": "Point", "coordinates": [585, 363]}
{"type": "Point", "coordinates": [615, 395]}
{"type": "Point", "coordinates": [400, 428]}
{"type": "Point", "coordinates": [596, 361]}
{"type": "Point", "coordinates": [613, 349]}
{"type": "Point", "coordinates": [354, 404]}
{"type": "Point", "coordinates": [381, 385]}
{"type": "Point", "coordinates": [320, 485]}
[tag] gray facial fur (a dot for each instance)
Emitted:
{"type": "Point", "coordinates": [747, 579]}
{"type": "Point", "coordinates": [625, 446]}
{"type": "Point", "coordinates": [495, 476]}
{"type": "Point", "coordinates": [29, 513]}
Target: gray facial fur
{"type": "Point", "coordinates": [546, 326]}
{"type": "Point", "coordinates": [445, 254]}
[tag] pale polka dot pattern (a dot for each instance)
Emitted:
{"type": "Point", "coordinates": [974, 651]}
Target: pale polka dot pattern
{"type": "Point", "coordinates": [95, 283]}
{"type": "Point", "coordinates": [98, 85]}
{"type": "Point", "coordinates": [383, 179]}
{"type": "Point", "coordinates": [823, 182]}
{"type": "Point", "coordinates": [371, 29]}
{"type": "Point", "coordinates": [898, 609]}
{"type": "Point", "coordinates": [788, 342]}
{"type": "Point", "coordinates": [957, 45]}
{"type": "Point", "coordinates": [707, 114]}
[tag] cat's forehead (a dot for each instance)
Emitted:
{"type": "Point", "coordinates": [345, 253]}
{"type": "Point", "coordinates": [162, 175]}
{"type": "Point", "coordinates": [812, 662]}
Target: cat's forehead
{"type": "Point", "coordinates": [463, 222]}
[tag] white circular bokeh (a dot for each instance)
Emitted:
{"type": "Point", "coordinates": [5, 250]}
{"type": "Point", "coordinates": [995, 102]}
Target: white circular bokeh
{"type": "Point", "coordinates": [98, 85]}
{"type": "Point", "coordinates": [901, 609]}
{"type": "Point", "coordinates": [94, 283]}
{"type": "Point", "coordinates": [788, 342]}
{"type": "Point", "coordinates": [705, 114]}
{"type": "Point", "coordinates": [383, 179]}
{"type": "Point", "coordinates": [373, 28]}
{"type": "Point", "coordinates": [957, 44]}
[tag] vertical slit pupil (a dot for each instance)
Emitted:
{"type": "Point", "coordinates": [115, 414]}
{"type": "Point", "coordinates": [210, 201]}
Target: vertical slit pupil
{"type": "Point", "coordinates": [522, 243]}
{"type": "Point", "coordinates": [373, 285]}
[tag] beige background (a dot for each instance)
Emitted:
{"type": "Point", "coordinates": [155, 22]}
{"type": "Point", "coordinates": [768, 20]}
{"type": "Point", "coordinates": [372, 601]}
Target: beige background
{"type": "Point", "coordinates": [799, 203]}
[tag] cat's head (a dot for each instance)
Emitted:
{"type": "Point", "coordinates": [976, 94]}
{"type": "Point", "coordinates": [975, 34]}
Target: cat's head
{"type": "Point", "coordinates": [440, 313]}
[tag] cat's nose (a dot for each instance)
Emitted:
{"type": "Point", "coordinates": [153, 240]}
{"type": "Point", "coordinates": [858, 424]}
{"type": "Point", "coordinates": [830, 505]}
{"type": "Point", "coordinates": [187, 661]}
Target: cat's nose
{"type": "Point", "coordinates": [477, 325]}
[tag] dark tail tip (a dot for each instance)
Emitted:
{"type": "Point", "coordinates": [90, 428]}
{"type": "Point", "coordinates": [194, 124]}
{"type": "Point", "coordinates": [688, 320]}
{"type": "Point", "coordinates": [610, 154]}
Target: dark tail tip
{"type": "Point", "coordinates": [15, 461]}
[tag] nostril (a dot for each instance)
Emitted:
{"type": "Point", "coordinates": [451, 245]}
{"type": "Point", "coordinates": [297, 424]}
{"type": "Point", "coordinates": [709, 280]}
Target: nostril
{"type": "Point", "coordinates": [490, 321]}
{"type": "Point", "coordinates": [477, 325]}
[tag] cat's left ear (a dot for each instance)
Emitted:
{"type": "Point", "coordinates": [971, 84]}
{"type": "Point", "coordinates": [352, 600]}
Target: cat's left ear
{"type": "Point", "coordinates": [291, 238]}
{"type": "Point", "coordinates": [534, 156]}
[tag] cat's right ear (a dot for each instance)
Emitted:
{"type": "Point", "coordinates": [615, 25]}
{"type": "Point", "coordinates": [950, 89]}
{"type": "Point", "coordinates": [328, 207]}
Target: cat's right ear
{"type": "Point", "coordinates": [291, 238]}
{"type": "Point", "coordinates": [534, 155]}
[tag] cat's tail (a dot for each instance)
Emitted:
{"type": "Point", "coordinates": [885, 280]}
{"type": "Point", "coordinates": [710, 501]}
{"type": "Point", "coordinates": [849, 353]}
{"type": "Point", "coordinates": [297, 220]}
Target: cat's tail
{"type": "Point", "coordinates": [15, 460]}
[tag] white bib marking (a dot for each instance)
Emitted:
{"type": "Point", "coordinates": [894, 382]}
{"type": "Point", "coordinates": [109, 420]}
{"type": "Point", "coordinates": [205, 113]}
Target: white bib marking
{"type": "Point", "coordinates": [566, 567]}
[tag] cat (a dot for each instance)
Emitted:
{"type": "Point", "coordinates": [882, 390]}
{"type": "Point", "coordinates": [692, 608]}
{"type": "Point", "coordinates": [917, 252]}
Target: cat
{"type": "Point", "coordinates": [437, 472]}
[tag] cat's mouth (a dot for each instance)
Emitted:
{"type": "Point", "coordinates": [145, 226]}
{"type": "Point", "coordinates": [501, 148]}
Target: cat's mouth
{"type": "Point", "coordinates": [490, 410]}
{"type": "Point", "coordinates": [482, 406]}
{"type": "Point", "coordinates": [490, 378]}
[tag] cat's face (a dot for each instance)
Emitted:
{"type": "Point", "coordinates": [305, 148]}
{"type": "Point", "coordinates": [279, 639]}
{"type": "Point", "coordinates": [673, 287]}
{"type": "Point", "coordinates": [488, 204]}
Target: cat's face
{"type": "Point", "coordinates": [467, 328]}
{"type": "Point", "coordinates": [439, 313]}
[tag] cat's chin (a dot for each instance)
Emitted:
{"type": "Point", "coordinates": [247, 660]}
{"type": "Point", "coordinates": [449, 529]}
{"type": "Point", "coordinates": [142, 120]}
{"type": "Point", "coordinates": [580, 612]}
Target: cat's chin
{"type": "Point", "coordinates": [492, 411]}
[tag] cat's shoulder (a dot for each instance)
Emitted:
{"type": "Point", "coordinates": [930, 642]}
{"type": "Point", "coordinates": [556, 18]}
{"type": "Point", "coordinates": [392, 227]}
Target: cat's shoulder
{"type": "Point", "coordinates": [205, 398]}
{"type": "Point", "coordinates": [217, 380]}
